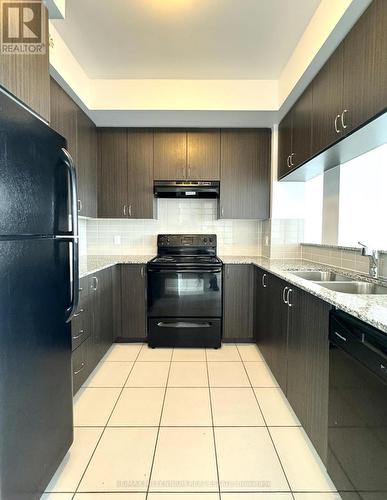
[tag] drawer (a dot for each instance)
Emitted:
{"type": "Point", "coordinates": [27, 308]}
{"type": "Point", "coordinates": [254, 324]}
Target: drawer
{"type": "Point", "coordinates": [80, 365]}
{"type": "Point", "coordinates": [81, 327]}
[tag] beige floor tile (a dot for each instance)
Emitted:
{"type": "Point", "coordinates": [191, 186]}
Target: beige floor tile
{"type": "Point", "coordinates": [122, 461]}
{"type": "Point", "coordinates": [247, 460]}
{"type": "Point", "coordinates": [123, 352]}
{"type": "Point", "coordinates": [225, 353]}
{"type": "Point", "coordinates": [257, 496]}
{"type": "Point", "coordinates": [160, 354]}
{"type": "Point", "coordinates": [235, 406]}
{"type": "Point", "coordinates": [183, 496]}
{"type": "Point", "coordinates": [319, 496]}
{"type": "Point", "coordinates": [249, 352]}
{"type": "Point", "coordinates": [301, 463]}
{"type": "Point", "coordinates": [227, 374]}
{"type": "Point", "coordinates": [188, 374]}
{"type": "Point", "coordinates": [259, 374]}
{"type": "Point", "coordinates": [110, 496]}
{"type": "Point", "coordinates": [186, 406]}
{"type": "Point", "coordinates": [109, 374]}
{"type": "Point", "coordinates": [57, 496]}
{"type": "Point", "coordinates": [189, 355]}
{"type": "Point", "coordinates": [149, 374]}
{"type": "Point", "coordinates": [275, 407]}
{"type": "Point", "coordinates": [92, 407]}
{"type": "Point", "coordinates": [184, 460]}
{"type": "Point", "coordinates": [70, 471]}
{"type": "Point", "coordinates": [138, 407]}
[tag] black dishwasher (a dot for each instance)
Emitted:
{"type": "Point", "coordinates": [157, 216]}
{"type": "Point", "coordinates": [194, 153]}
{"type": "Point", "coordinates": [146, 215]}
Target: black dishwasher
{"type": "Point", "coordinates": [357, 433]}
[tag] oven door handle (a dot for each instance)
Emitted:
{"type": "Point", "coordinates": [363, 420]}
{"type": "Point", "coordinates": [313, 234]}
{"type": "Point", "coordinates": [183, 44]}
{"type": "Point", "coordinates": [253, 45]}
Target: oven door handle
{"type": "Point", "coordinates": [184, 270]}
{"type": "Point", "coordinates": [183, 324]}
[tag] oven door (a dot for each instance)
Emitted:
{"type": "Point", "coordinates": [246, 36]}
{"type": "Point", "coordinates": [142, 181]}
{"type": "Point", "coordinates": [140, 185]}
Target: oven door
{"type": "Point", "coordinates": [185, 293]}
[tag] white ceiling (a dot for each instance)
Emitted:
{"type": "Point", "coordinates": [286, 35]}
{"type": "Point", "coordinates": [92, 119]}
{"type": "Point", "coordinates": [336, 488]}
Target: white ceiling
{"type": "Point", "coordinates": [184, 39]}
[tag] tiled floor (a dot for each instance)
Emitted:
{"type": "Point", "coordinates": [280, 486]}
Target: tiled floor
{"type": "Point", "coordinates": [187, 424]}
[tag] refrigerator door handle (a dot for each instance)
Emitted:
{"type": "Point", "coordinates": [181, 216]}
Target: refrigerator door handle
{"type": "Point", "coordinates": [71, 310]}
{"type": "Point", "coordinates": [69, 162]}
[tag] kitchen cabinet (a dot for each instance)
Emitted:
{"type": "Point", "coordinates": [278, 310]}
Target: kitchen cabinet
{"type": "Point", "coordinates": [103, 314]}
{"type": "Point", "coordinates": [125, 175]}
{"type": "Point", "coordinates": [307, 365]}
{"type": "Point", "coordinates": [27, 76]}
{"type": "Point", "coordinates": [86, 163]}
{"type": "Point", "coordinates": [285, 144]}
{"type": "Point", "coordinates": [245, 173]}
{"type": "Point", "coordinates": [170, 154]}
{"type": "Point", "coordinates": [203, 155]}
{"type": "Point", "coordinates": [133, 302]}
{"type": "Point", "coordinates": [82, 323]}
{"type": "Point", "coordinates": [238, 302]}
{"type": "Point", "coordinates": [113, 173]}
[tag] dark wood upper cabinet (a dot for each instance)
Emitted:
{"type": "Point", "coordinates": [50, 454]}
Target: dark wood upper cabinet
{"type": "Point", "coordinates": [285, 144]}
{"type": "Point", "coordinates": [27, 77]}
{"type": "Point", "coordinates": [64, 116]}
{"type": "Point", "coordinates": [245, 173]}
{"type": "Point", "coordinates": [87, 165]}
{"type": "Point", "coordinates": [133, 304]}
{"type": "Point", "coordinates": [328, 103]}
{"type": "Point", "coordinates": [365, 67]}
{"type": "Point", "coordinates": [113, 172]}
{"type": "Point", "coordinates": [301, 129]}
{"type": "Point", "coordinates": [203, 155]}
{"type": "Point", "coordinates": [170, 154]}
{"type": "Point", "coordinates": [238, 302]}
{"type": "Point", "coordinates": [141, 201]}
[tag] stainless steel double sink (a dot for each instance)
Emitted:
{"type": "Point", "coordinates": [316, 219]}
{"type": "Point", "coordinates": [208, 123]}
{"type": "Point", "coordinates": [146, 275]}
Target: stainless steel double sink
{"type": "Point", "coordinates": [340, 283]}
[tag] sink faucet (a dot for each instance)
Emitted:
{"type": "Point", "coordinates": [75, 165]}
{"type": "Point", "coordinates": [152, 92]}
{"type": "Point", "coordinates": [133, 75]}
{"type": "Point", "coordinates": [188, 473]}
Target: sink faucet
{"type": "Point", "coordinates": [373, 256]}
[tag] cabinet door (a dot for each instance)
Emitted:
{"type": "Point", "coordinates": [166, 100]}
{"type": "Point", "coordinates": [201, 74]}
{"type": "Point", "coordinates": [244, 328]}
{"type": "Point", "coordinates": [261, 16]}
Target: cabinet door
{"type": "Point", "coordinates": [284, 144]}
{"type": "Point", "coordinates": [133, 303]}
{"type": "Point", "coordinates": [103, 317]}
{"type": "Point", "coordinates": [87, 165]}
{"type": "Point", "coordinates": [277, 327]}
{"type": "Point", "coordinates": [113, 173]}
{"type": "Point", "coordinates": [245, 174]}
{"type": "Point", "coordinates": [203, 154]}
{"type": "Point", "coordinates": [302, 129]}
{"type": "Point", "coordinates": [141, 201]}
{"type": "Point", "coordinates": [365, 67]}
{"type": "Point", "coordinates": [308, 356]}
{"type": "Point", "coordinates": [261, 281]}
{"type": "Point", "coordinates": [170, 154]}
{"type": "Point", "coordinates": [27, 76]}
{"type": "Point", "coordinates": [238, 302]}
{"type": "Point", "coordinates": [64, 117]}
{"type": "Point", "coordinates": [327, 102]}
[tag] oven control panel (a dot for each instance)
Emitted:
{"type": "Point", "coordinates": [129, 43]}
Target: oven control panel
{"type": "Point", "coordinates": [186, 240]}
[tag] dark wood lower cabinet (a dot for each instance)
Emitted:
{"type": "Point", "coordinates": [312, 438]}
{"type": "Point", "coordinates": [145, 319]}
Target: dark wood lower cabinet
{"type": "Point", "coordinates": [293, 339]}
{"type": "Point", "coordinates": [238, 302]}
{"type": "Point", "coordinates": [133, 302]}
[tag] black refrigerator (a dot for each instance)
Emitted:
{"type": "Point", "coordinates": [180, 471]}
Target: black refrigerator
{"type": "Point", "coordinates": [38, 296]}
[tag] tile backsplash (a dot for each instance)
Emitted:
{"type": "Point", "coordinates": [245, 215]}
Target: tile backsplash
{"type": "Point", "coordinates": [138, 236]}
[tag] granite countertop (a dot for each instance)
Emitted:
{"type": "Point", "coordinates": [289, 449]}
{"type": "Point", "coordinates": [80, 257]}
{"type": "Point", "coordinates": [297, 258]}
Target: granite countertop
{"type": "Point", "coordinates": [369, 308]}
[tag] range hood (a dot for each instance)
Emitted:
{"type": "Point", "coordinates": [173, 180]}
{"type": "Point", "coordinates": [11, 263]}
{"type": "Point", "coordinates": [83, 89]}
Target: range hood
{"type": "Point", "coordinates": [186, 189]}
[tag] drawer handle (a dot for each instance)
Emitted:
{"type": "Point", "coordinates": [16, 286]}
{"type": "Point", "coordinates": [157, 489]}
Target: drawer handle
{"type": "Point", "coordinates": [83, 365]}
{"type": "Point", "coordinates": [264, 282]}
{"type": "Point", "coordinates": [78, 313]}
{"type": "Point", "coordinates": [341, 336]}
{"type": "Point", "coordinates": [81, 332]}
{"type": "Point", "coordinates": [183, 324]}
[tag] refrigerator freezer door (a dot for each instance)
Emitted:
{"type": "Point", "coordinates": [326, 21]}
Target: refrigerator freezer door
{"type": "Point", "coordinates": [34, 181]}
{"type": "Point", "coordinates": [35, 364]}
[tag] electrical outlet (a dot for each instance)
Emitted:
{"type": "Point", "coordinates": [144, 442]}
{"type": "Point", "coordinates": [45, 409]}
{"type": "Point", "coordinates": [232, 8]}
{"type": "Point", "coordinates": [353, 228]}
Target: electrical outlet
{"type": "Point", "coordinates": [117, 239]}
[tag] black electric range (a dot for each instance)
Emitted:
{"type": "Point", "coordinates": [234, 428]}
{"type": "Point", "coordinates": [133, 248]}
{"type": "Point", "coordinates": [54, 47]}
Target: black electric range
{"type": "Point", "coordinates": [185, 292]}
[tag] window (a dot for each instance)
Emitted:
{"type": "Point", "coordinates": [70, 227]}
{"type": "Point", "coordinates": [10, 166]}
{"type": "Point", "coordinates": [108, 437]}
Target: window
{"type": "Point", "coordinates": [363, 200]}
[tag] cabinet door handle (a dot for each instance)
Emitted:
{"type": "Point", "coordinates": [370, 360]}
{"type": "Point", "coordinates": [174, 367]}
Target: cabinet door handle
{"type": "Point", "coordinates": [80, 205]}
{"type": "Point", "coordinates": [291, 161]}
{"type": "Point", "coordinates": [142, 272]}
{"type": "Point", "coordinates": [95, 287]}
{"type": "Point", "coordinates": [264, 283]}
{"type": "Point", "coordinates": [83, 364]}
{"type": "Point", "coordinates": [336, 127]}
{"type": "Point", "coordinates": [124, 210]}
{"type": "Point", "coordinates": [288, 161]}
{"type": "Point", "coordinates": [130, 210]}
{"type": "Point", "coordinates": [288, 297]}
{"type": "Point", "coordinates": [284, 293]}
{"type": "Point", "coordinates": [344, 125]}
